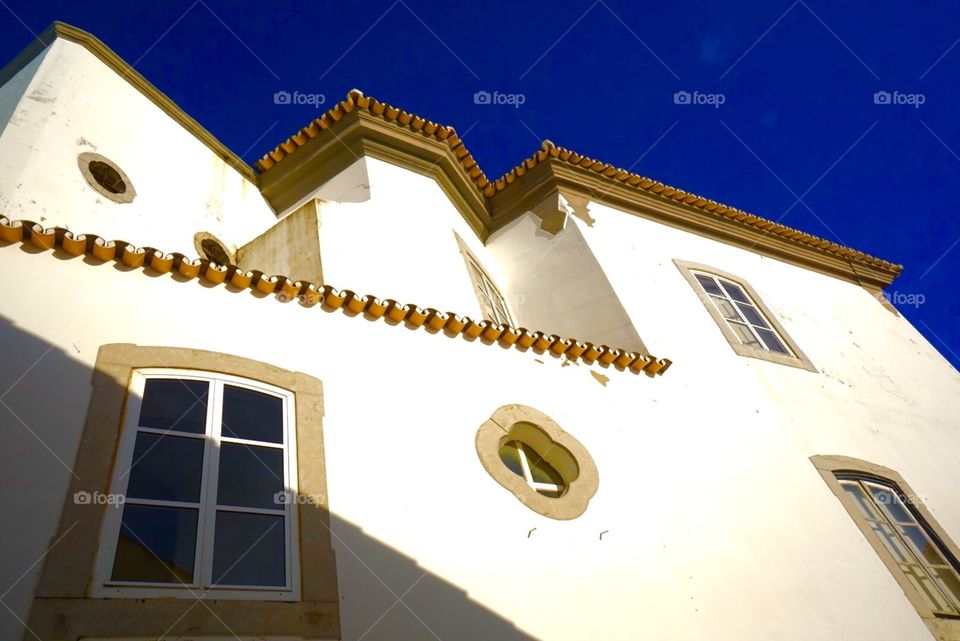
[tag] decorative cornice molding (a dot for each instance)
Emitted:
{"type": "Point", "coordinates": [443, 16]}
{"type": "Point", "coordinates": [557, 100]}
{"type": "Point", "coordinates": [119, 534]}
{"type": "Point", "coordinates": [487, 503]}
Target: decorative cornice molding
{"type": "Point", "coordinates": [365, 125]}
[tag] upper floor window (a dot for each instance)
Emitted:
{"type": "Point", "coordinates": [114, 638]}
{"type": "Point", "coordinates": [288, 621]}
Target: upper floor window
{"type": "Point", "coordinates": [491, 300]}
{"type": "Point", "coordinates": [750, 328]}
{"type": "Point", "coordinates": [203, 473]}
{"type": "Point", "coordinates": [908, 539]}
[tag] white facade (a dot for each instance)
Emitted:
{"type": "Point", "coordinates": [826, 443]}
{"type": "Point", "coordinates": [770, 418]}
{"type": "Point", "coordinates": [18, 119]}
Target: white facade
{"type": "Point", "coordinates": [714, 522]}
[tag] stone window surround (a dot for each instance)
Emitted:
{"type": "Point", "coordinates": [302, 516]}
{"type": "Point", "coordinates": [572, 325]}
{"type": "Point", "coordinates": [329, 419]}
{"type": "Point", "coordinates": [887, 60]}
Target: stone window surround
{"type": "Point", "coordinates": [497, 429]}
{"type": "Point", "coordinates": [84, 160]}
{"type": "Point", "coordinates": [946, 628]}
{"type": "Point", "coordinates": [63, 607]}
{"type": "Point", "coordinates": [799, 359]}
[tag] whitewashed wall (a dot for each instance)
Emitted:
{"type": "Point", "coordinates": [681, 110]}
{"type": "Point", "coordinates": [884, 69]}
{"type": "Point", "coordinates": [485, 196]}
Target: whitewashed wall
{"type": "Point", "coordinates": [74, 104]}
{"type": "Point", "coordinates": [716, 522]}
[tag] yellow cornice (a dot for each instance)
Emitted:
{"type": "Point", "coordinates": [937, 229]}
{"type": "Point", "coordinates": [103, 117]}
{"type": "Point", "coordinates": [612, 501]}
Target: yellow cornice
{"type": "Point", "coordinates": [137, 81]}
{"type": "Point", "coordinates": [364, 124]}
{"type": "Point", "coordinates": [99, 250]}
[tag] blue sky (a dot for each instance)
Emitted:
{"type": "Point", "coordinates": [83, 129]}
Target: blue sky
{"type": "Point", "coordinates": [801, 135]}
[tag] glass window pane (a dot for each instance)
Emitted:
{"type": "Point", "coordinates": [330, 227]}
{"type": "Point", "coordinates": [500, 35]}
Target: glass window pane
{"type": "Point", "coordinates": [709, 285]}
{"type": "Point", "coordinates": [511, 457]}
{"type": "Point", "coordinates": [926, 587]}
{"type": "Point", "coordinates": [890, 503]}
{"type": "Point", "coordinates": [174, 404]}
{"type": "Point", "coordinates": [892, 542]}
{"type": "Point", "coordinates": [752, 315]}
{"type": "Point", "coordinates": [147, 533]}
{"type": "Point", "coordinates": [252, 415]}
{"type": "Point", "coordinates": [250, 476]}
{"type": "Point", "coordinates": [166, 468]}
{"type": "Point", "coordinates": [863, 502]}
{"type": "Point", "coordinates": [922, 544]}
{"type": "Point", "coordinates": [773, 343]}
{"type": "Point", "coordinates": [950, 584]}
{"type": "Point", "coordinates": [745, 335]}
{"type": "Point", "coordinates": [734, 292]}
{"type": "Point", "coordinates": [249, 550]}
{"type": "Point", "coordinates": [726, 308]}
{"type": "Point", "coordinates": [541, 471]}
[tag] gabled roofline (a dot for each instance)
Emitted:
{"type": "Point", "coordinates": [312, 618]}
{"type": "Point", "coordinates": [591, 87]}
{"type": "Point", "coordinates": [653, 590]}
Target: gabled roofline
{"type": "Point", "coordinates": [132, 76]}
{"type": "Point", "coordinates": [361, 125]}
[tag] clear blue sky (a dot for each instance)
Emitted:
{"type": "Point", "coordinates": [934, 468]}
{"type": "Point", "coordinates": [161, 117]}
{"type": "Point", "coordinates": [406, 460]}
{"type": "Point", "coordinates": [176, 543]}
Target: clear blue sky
{"type": "Point", "coordinates": [799, 136]}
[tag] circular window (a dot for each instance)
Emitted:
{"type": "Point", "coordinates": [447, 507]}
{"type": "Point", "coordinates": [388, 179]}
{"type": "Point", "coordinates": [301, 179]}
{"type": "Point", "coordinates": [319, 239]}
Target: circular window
{"type": "Point", "coordinates": [106, 177]}
{"type": "Point", "coordinates": [527, 453]}
{"type": "Point", "coordinates": [213, 249]}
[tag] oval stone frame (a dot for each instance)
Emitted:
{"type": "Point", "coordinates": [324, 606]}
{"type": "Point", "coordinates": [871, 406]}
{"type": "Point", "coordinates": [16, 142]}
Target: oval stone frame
{"type": "Point", "coordinates": [83, 162]}
{"type": "Point", "coordinates": [500, 427]}
{"type": "Point", "coordinates": [201, 236]}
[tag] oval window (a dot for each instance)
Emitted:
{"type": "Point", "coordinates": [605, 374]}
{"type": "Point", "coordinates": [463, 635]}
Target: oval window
{"type": "Point", "coordinates": [527, 453]}
{"type": "Point", "coordinates": [106, 177]}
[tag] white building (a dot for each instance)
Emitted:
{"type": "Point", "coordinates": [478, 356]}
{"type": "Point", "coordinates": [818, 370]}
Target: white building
{"type": "Point", "coordinates": [232, 447]}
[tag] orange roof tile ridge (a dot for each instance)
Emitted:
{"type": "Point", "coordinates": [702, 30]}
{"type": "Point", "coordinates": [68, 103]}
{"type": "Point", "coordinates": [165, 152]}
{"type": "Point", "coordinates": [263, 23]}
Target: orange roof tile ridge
{"type": "Point", "coordinates": [355, 99]}
{"type": "Point", "coordinates": [309, 294]}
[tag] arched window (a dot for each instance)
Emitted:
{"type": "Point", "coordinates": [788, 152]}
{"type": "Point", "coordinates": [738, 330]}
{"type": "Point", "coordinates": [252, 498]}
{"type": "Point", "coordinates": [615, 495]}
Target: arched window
{"type": "Point", "coordinates": [912, 545]}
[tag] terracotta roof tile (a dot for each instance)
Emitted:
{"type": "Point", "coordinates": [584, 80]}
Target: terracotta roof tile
{"type": "Point", "coordinates": [329, 298]}
{"type": "Point", "coordinates": [356, 100]}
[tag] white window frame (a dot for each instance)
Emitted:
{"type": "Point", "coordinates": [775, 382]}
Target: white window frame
{"type": "Point", "coordinates": [105, 587]}
{"type": "Point", "coordinates": [720, 282]}
{"type": "Point", "coordinates": [914, 560]}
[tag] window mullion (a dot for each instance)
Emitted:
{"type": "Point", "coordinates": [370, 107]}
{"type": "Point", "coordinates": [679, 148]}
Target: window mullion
{"type": "Point", "coordinates": [527, 474]}
{"type": "Point", "coordinates": [209, 498]}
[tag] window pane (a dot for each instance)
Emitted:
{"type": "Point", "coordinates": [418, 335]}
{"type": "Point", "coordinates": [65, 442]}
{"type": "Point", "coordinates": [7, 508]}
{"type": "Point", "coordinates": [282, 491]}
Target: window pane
{"type": "Point", "coordinates": [511, 457]}
{"type": "Point", "coordinates": [926, 587]}
{"type": "Point", "coordinates": [541, 471]}
{"type": "Point", "coordinates": [773, 343]}
{"type": "Point", "coordinates": [745, 335]}
{"type": "Point", "coordinates": [892, 542]}
{"type": "Point", "coordinates": [950, 584]}
{"type": "Point", "coordinates": [250, 476]}
{"type": "Point", "coordinates": [726, 308]}
{"type": "Point", "coordinates": [709, 285]}
{"type": "Point", "coordinates": [174, 404]}
{"type": "Point", "coordinates": [891, 504]}
{"type": "Point", "coordinates": [252, 415]}
{"type": "Point", "coordinates": [249, 550]}
{"type": "Point", "coordinates": [734, 292]}
{"type": "Point", "coordinates": [147, 533]}
{"type": "Point", "coordinates": [866, 506]}
{"type": "Point", "coordinates": [922, 544]}
{"type": "Point", "coordinates": [166, 468]}
{"type": "Point", "coordinates": [752, 315]}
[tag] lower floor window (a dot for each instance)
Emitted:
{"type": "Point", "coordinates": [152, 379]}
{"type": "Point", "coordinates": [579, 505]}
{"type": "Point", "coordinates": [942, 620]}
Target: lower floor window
{"type": "Point", "coordinates": [926, 563]}
{"type": "Point", "coordinates": [204, 470]}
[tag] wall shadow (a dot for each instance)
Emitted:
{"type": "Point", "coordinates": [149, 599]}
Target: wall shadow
{"type": "Point", "coordinates": [45, 392]}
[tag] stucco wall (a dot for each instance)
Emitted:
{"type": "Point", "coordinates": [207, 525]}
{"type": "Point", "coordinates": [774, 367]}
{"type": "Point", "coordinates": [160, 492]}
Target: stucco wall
{"type": "Point", "coordinates": [716, 523]}
{"type": "Point", "coordinates": [72, 106]}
